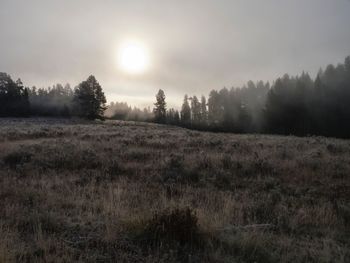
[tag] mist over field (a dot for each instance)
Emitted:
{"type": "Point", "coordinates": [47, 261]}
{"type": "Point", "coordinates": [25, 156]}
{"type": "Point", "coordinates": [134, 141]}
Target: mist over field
{"type": "Point", "coordinates": [175, 131]}
{"type": "Point", "coordinates": [194, 46]}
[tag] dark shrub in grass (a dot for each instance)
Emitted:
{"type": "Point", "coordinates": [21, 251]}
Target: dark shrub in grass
{"type": "Point", "coordinates": [178, 227]}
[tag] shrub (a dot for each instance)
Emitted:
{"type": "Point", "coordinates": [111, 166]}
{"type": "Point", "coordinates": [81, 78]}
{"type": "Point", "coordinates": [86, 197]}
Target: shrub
{"type": "Point", "coordinates": [175, 227]}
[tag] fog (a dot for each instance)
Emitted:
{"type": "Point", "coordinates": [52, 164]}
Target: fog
{"type": "Point", "coordinates": [195, 46]}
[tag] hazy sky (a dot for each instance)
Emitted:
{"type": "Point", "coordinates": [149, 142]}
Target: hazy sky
{"type": "Point", "coordinates": [194, 45]}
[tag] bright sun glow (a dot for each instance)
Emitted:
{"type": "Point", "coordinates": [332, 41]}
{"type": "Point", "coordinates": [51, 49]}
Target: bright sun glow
{"type": "Point", "coordinates": [133, 58]}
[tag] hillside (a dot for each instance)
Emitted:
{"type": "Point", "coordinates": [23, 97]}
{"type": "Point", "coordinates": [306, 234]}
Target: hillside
{"type": "Point", "coordinates": [137, 192]}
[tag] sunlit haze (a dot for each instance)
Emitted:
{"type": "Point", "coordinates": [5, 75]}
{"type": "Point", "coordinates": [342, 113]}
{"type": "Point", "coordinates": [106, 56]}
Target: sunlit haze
{"type": "Point", "coordinates": [181, 46]}
{"type": "Point", "coordinates": [175, 131]}
{"type": "Point", "coordinates": [133, 57]}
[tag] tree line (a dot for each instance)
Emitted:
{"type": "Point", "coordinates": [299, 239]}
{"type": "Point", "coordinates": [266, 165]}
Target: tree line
{"type": "Point", "coordinates": [14, 98]}
{"type": "Point", "coordinates": [122, 111]}
{"type": "Point", "coordinates": [292, 105]}
{"type": "Point", "coordinates": [296, 105]}
{"type": "Point", "coordinates": [87, 100]}
{"type": "Point", "coordinates": [230, 110]}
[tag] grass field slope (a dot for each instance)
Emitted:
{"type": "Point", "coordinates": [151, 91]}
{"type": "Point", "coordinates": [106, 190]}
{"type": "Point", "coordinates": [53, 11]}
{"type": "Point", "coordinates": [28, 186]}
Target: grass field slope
{"type": "Point", "coordinates": [73, 191]}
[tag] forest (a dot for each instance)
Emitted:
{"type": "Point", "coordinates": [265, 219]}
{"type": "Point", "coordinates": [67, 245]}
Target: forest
{"type": "Point", "coordinates": [291, 105]}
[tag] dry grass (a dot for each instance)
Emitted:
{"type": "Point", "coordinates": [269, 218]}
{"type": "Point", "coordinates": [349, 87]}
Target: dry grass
{"type": "Point", "coordinates": [73, 191]}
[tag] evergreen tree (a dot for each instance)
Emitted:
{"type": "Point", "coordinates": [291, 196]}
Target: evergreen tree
{"type": "Point", "coordinates": [230, 106]}
{"type": "Point", "coordinates": [13, 97]}
{"type": "Point", "coordinates": [195, 111]}
{"type": "Point", "coordinates": [244, 119]}
{"type": "Point", "coordinates": [173, 117]}
{"type": "Point", "coordinates": [215, 109]}
{"type": "Point", "coordinates": [25, 104]}
{"type": "Point", "coordinates": [186, 112]}
{"type": "Point", "coordinates": [21, 102]}
{"type": "Point", "coordinates": [160, 107]}
{"type": "Point", "coordinates": [204, 112]}
{"type": "Point", "coordinates": [170, 116]}
{"type": "Point", "coordinates": [90, 99]}
{"type": "Point", "coordinates": [176, 118]}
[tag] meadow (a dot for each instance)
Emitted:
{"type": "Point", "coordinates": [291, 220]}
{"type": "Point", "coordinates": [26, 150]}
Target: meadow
{"type": "Point", "coordinates": [76, 191]}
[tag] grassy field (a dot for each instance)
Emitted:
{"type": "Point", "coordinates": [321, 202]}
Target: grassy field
{"type": "Point", "coordinates": [134, 192]}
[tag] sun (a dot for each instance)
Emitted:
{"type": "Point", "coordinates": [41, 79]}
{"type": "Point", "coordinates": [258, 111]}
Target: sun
{"type": "Point", "coordinates": [133, 57]}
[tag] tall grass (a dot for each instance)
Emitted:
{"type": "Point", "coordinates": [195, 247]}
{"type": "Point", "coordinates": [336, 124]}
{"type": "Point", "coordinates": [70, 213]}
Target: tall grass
{"type": "Point", "coordinates": [137, 192]}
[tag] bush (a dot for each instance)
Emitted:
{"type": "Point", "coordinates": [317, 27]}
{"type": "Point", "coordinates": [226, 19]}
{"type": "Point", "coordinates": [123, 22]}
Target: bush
{"type": "Point", "coordinates": [176, 227]}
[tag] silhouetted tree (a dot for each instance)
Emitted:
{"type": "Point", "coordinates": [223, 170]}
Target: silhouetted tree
{"type": "Point", "coordinates": [204, 112]}
{"type": "Point", "coordinates": [160, 107]}
{"type": "Point", "coordinates": [173, 117]}
{"type": "Point", "coordinates": [230, 105]}
{"type": "Point", "coordinates": [170, 116]}
{"type": "Point", "coordinates": [25, 105]}
{"type": "Point", "coordinates": [215, 109]}
{"type": "Point", "coordinates": [244, 122]}
{"type": "Point", "coordinates": [90, 99]}
{"type": "Point", "coordinates": [186, 112]}
{"type": "Point", "coordinates": [195, 111]}
{"type": "Point", "coordinates": [176, 118]}
{"type": "Point", "coordinates": [253, 97]}
{"type": "Point", "coordinates": [13, 97]}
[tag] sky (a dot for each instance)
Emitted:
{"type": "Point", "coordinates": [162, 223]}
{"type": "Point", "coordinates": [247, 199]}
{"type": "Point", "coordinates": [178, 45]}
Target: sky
{"type": "Point", "coordinates": [194, 46]}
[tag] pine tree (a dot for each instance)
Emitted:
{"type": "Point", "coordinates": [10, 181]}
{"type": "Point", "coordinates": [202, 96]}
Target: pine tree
{"type": "Point", "coordinates": [176, 118]}
{"type": "Point", "coordinates": [90, 99]}
{"type": "Point", "coordinates": [186, 112]}
{"type": "Point", "coordinates": [25, 105]}
{"type": "Point", "coordinates": [160, 107]}
{"type": "Point", "coordinates": [195, 111]}
{"type": "Point", "coordinates": [13, 97]}
{"type": "Point", "coordinates": [170, 115]}
{"type": "Point", "coordinates": [204, 112]}
{"type": "Point", "coordinates": [215, 109]}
